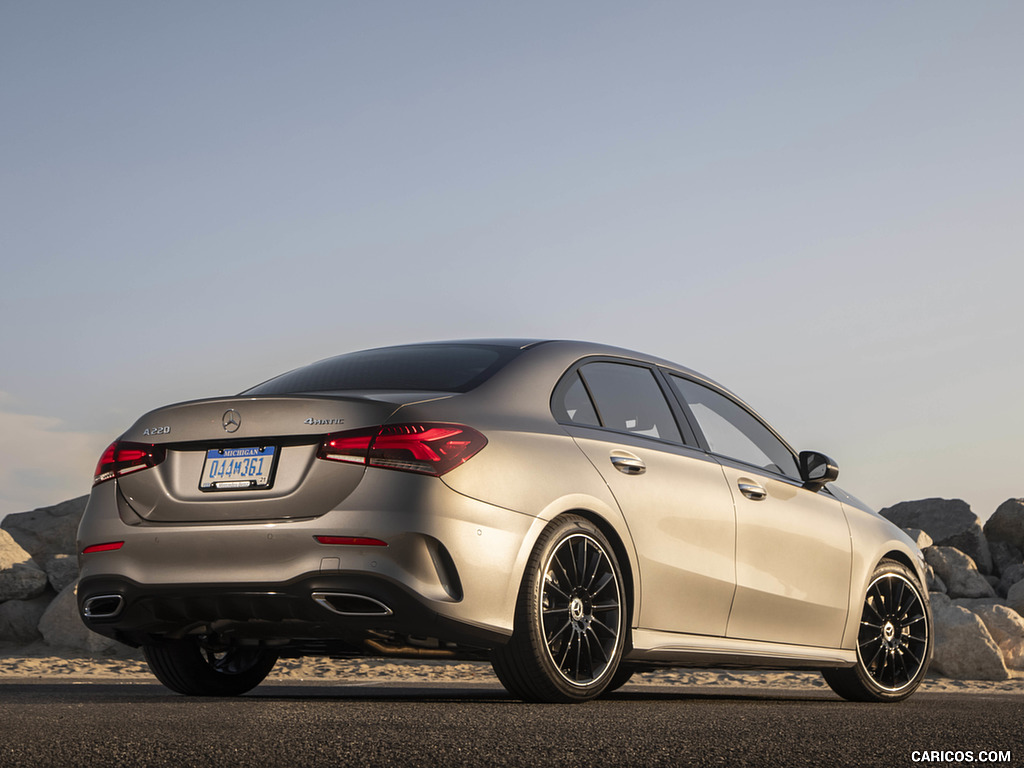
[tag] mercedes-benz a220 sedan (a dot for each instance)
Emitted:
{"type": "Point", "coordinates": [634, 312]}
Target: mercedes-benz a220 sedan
{"type": "Point", "coordinates": [570, 511]}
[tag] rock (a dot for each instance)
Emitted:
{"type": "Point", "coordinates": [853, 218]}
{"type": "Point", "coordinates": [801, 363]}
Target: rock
{"type": "Point", "coordinates": [950, 523]}
{"type": "Point", "coordinates": [975, 604]}
{"type": "Point", "coordinates": [1006, 627]}
{"type": "Point", "coordinates": [47, 531]}
{"type": "Point", "coordinates": [1011, 576]}
{"type": "Point", "coordinates": [964, 649]}
{"type": "Point", "coordinates": [62, 627]}
{"type": "Point", "coordinates": [61, 570]}
{"type": "Point", "coordinates": [1004, 556]}
{"type": "Point", "coordinates": [935, 584]}
{"type": "Point", "coordinates": [11, 553]}
{"type": "Point", "coordinates": [1007, 524]}
{"type": "Point", "coordinates": [19, 619]}
{"type": "Point", "coordinates": [1015, 597]}
{"type": "Point", "coordinates": [921, 539]}
{"type": "Point", "coordinates": [959, 573]}
{"type": "Point", "coordinates": [20, 578]}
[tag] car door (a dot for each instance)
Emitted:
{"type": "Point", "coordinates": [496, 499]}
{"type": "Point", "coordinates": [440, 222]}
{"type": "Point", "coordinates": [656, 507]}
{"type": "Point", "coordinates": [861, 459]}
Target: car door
{"type": "Point", "coordinates": [793, 548]}
{"type": "Point", "coordinates": [673, 496]}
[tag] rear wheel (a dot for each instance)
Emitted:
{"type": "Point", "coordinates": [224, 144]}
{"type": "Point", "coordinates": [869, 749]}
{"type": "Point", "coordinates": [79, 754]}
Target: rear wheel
{"type": "Point", "coordinates": [570, 618]}
{"type": "Point", "coordinates": [187, 667]}
{"type": "Point", "coordinates": [894, 642]}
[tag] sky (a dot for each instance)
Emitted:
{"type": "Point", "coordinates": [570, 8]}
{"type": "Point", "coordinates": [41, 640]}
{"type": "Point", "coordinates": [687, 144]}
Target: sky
{"type": "Point", "coordinates": [819, 205]}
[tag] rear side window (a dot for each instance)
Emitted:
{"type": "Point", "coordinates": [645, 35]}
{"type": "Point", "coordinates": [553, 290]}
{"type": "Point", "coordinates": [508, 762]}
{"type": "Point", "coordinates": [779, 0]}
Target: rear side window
{"type": "Point", "coordinates": [625, 398]}
{"type": "Point", "coordinates": [421, 367]}
{"type": "Point", "coordinates": [572, 403]}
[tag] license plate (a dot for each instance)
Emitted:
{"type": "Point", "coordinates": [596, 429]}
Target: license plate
{"type": "Point", "coordinates": [232, 469]}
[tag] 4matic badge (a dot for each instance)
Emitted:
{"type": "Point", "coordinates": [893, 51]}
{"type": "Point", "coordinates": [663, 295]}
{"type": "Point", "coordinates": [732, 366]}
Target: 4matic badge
{"type": "Point", "coordinates": [323, 422]}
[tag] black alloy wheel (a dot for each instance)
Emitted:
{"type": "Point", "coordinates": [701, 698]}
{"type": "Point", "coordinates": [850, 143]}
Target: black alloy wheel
{"type": "Point", "coordinates": [570, 618]}
{"type": "Point", "coordinates": [894, 641]}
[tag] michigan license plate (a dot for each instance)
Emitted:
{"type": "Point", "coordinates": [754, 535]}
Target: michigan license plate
{"type": "Point", "coordinates": [231, 469]}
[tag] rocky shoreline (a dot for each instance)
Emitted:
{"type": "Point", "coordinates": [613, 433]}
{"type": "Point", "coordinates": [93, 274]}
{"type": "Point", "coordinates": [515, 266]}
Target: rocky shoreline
{"type": "Point", "coordinates": [975, 577]}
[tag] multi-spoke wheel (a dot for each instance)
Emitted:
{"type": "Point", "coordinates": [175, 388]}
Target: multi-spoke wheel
{"type": "Point", "coordinates": [187, 667]}
{"type": "Point", "coordinates": [570, 618]}
{"type": "Point", "coordinates": [894, 641]}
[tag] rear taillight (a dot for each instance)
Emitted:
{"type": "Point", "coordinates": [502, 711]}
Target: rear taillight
{"type": "Point", "coordinates": [430, 449]}
{"type": "Point", "coordinates": [121, 458]}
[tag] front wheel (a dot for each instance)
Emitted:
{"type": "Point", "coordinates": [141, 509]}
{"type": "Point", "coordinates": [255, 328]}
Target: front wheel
{"type": "Point", "coordinates": [187, 667]}
{"type": "Point", "coordinates": [894, 643]}
{"type": "Point", "coordinates": [570, 618]}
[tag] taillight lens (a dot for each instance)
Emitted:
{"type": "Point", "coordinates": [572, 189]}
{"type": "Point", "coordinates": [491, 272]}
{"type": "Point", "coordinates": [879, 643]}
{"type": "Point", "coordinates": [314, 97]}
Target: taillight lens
{"type": "Point", "coordinates": [121, 458]}
{"type": "Point", "coordinates": [429, 449]}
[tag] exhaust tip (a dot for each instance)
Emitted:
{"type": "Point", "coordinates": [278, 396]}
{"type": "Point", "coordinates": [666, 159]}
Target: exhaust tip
{"type": "Point", "coordinates": [102, 606]}
{"type": "Point", "coordinates": [348, 604]}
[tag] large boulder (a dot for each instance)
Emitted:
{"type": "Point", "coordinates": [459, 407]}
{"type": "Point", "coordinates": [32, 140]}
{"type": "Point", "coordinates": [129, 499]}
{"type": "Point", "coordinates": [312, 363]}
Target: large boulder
{"type": "Point", "coordinates": [19, 619]}
{"type": "Point", "coordinates": [1004, 556]}
{"type": "Point", "coordinates": [1011, 576]}
{"type": "Point", "coordinates": [958, 572]}
{"type": "Point", "coordinates": [1015, 597]}
{"type": "Point", "coordinates": [62, 627]}
{"type": "Point", "coordinates": [964, 649]}
{"type": "Point", "coordinates": [1007, 523]}
{"type": "Point", "coordinates": [61, 570]}
{"type": "Point", "coordinates": [950, 523]}
{"type": "Point", "coordinates": [1006, 627]}
{"type": "Point", "coordinates": [47, 531]}
{"type": "Point", "coordinates": [20, 578]}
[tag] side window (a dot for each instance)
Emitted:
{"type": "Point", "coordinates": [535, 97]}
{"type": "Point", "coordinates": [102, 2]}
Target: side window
{"type": "Point", "coordinates": [571, 403]}
{"type": "Point", "coordinates": [628, 399]}
{"type": "Point", "coordinates": [732, 431]}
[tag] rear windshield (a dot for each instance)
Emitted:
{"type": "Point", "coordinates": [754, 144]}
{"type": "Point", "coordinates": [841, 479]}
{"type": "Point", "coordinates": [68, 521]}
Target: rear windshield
{"type": "Point", "coordinates": [425, 367]}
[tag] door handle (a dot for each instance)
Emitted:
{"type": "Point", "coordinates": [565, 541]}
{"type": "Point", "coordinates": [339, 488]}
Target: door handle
{"type": "Point", "coordinates": [753, 491]}
{"type": "Point", "coordinates": [628, 465]}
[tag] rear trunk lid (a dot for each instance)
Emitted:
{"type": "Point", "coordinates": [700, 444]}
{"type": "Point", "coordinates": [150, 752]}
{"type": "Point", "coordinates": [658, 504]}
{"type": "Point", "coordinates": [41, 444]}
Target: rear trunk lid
{"type": "Point", "coordinates": [249, 458]}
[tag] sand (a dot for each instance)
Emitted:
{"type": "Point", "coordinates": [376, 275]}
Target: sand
{"type": "Point", "coordinates": [40, 661]}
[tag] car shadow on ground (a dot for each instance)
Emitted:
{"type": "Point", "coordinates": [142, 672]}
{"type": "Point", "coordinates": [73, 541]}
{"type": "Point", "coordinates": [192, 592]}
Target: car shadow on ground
{"type": "Point", "coordinates": [143, 691]}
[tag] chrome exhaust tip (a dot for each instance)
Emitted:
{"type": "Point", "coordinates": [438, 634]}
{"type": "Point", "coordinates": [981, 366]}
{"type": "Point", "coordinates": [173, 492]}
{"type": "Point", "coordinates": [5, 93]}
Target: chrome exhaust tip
{"type": "Point", "coordinates": [348, 604]}
{"type": "Point", "coordinates": [102, 606]}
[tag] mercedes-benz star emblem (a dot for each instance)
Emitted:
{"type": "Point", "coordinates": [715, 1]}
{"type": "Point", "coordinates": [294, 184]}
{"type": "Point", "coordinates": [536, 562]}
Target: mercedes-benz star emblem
{"type": "Point", "coordinates": [231, 420]}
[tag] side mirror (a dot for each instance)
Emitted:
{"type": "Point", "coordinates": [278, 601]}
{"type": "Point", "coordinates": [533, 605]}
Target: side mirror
{"type": "Point", "coordinates": [817, 470]}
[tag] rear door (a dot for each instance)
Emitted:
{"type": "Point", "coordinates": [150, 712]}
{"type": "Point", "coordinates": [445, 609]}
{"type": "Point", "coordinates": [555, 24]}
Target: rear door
{"type": "Point", "coordinates": [672, 495]}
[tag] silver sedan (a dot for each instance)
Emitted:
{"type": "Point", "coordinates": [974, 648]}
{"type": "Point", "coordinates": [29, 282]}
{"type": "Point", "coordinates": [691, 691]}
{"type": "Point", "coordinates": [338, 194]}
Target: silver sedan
{"type": "Point", "coordinates": [570, 511]}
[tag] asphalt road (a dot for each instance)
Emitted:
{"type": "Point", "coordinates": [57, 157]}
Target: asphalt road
{"type": "Point", "coordinates": [289, 724]}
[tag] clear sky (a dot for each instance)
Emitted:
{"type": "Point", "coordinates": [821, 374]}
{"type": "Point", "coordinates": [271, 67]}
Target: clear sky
{"type": "Point", "coordinates": [820, 205]}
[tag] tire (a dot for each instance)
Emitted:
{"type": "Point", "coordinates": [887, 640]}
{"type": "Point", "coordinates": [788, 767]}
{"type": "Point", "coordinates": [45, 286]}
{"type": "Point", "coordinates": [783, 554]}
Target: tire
{"type": "Point", "coordinates": [622, 676]}
{"type": "Point", "coordinates": [570, 621]}
{"type": "Point", "coordinates": [894, 644]}
{"type": "Point", "coordinates": [186, 667]}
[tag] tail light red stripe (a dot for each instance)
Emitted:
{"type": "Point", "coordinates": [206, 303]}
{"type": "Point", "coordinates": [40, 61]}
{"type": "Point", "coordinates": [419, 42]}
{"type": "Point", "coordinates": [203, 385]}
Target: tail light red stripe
{"type": "Point", "coordinates": [425, 448]}
{"type": "Point", "coordinates": [120, 458]}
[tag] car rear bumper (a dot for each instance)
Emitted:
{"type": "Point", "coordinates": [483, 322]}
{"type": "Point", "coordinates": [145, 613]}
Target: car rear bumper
{"type": "Point", "coordinates": [365, 614]}
{"type": "Point", "coordinates": [451, 568]}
